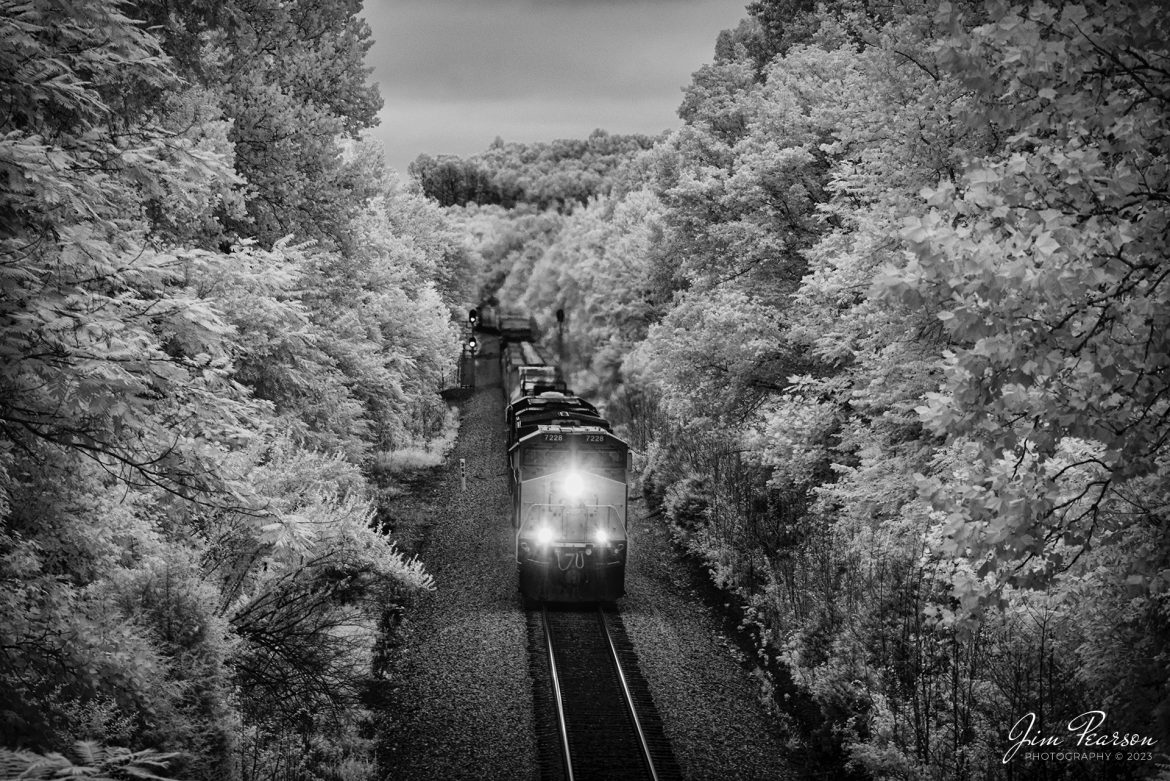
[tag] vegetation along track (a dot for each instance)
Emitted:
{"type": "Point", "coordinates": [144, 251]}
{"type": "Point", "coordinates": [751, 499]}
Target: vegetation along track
{"type": "Point", "coordinates": [594, 713]}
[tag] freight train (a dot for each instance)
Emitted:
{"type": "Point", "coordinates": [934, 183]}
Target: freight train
{"type": "Point", "coordinates": [568, 478]}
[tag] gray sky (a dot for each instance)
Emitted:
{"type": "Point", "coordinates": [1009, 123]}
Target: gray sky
{"type": "Point", "coordinates": [454, 74]}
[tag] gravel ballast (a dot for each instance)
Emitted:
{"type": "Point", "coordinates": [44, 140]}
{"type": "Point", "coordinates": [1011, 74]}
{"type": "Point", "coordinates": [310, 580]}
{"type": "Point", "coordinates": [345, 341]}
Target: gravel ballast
{"type": "Point", "coordinates": [463, 697]}
{"type": "Point", "coordinates": [709, 703]}
{"type": "Point", "coordinates": [462, 701]}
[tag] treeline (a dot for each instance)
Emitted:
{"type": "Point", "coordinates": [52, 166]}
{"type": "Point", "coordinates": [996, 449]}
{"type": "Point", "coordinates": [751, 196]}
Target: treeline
{"type": "Point", "coordinates": [888, 320]}
{"type": "Point", "coordinates": [559, 174]}
{"type": "Point", "coordinates": [217, 310]}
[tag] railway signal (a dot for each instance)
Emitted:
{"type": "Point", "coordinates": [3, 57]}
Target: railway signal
{"type": "Point", "coordinates": [561, 336]}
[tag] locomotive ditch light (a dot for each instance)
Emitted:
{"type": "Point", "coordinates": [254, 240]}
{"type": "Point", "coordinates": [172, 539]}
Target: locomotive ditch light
{"type": "Point", "coordinates": [601, 537]}
{"type": "Point", "coordinates": [545, 535]}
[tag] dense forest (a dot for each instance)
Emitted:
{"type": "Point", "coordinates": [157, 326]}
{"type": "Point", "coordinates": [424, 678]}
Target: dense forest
{"type": "Point", "coordinates": [219, 315]}
{"type": "Point", "coordinates": [886, 320]}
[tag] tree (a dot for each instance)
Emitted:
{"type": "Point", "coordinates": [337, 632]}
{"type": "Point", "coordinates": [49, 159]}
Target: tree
{"type": "Point", "coordinates": [162, 544]}
{"type": "Point", "coordinates": [291, 79]}
{"type": "Point", "coordinates": [101, 423]}
{"type": "Point", "coordinates": [560, 174]}
{"type": "Point", "coordinates": [1054, 382]}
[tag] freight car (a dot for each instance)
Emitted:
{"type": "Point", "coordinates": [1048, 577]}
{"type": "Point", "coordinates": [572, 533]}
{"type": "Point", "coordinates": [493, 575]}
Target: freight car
{"type": "Point", "coordinates": [516, 326]}
{"type": "Point", "coordinates": [526, 372]}
{"type": "Point", "coordinates": [513, 325]}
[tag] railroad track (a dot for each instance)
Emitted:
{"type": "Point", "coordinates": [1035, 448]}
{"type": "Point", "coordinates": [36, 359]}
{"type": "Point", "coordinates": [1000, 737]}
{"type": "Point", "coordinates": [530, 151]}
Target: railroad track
{"type": "Point", "coordinates": [598, 717]}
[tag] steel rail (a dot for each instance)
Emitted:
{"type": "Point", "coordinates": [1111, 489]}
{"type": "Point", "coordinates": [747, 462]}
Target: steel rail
{"type": "Point", "coordinates": [556, 681]}
{"type": "Point", "coordinates": [628, 697]}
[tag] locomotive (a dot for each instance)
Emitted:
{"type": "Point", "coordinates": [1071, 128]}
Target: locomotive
{"type": "Point", "coordinates": [567, 474]}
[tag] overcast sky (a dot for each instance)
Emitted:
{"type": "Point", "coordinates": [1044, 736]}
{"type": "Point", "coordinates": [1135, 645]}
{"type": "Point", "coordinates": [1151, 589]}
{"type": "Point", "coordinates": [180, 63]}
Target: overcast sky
{"type": "Point", "coordinates": [454, 74]}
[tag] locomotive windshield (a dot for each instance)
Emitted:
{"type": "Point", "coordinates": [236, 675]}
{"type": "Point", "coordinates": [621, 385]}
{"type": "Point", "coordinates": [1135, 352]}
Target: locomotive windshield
{"type": "Point", "coordinates": [588, 459]}
{"type": "Point", "coordinates": [561, 450]}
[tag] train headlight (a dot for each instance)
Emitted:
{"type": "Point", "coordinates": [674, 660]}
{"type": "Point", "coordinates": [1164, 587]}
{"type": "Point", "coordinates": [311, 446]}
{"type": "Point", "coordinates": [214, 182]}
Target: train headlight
{"type": "Point", "coordinates": [544, 535]}
{"type": "Point", "coordinates": [601, 537]}
{"type": "Point", "coordinates": [573, 485]}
